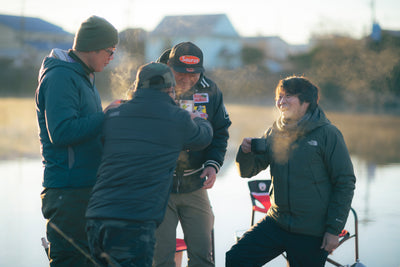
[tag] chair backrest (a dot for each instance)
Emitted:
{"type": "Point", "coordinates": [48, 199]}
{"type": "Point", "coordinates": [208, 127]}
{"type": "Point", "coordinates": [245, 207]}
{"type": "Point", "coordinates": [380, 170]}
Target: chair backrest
{"type": "Point", "coordinates": [180, 245]}
{"type": "Point", "coordinates": [259, 194]}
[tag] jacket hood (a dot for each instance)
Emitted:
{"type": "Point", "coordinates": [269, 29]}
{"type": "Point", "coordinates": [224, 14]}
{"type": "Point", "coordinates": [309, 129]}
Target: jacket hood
{"type": "Point", "coordinates": [59, 58]}
{"type": "Point", "coordinates": [315, 120]}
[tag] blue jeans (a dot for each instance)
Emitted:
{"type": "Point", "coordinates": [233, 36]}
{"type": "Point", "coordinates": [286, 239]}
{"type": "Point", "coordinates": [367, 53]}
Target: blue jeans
{"type": "Point", "coordinates": [124, 242]}
{"type": "Point", "coordinates": [266, 240]}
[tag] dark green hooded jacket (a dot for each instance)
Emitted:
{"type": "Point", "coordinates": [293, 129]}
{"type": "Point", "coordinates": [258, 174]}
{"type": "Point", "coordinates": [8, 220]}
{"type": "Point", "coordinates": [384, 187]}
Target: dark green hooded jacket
{"type": "Point", "coordinates": [70, 120]}
{"type": "Point", "coordinates": [312, 176]}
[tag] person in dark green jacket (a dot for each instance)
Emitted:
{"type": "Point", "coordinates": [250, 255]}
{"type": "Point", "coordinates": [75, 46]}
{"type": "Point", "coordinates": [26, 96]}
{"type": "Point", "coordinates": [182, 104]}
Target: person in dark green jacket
{"type": "Point", "coordinates": [312, 186]}
{"type": "Point", "coordinates": [70, 118]}
{"type": "Point", "coordinates": [142, 141]}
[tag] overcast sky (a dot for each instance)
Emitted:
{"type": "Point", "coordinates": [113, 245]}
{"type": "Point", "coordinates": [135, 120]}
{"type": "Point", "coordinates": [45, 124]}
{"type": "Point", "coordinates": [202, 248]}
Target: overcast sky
{"type": "Point", "coordinates": [292, 20]}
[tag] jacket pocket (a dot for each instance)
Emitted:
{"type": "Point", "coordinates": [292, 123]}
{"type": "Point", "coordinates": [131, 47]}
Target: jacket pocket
{"type": "Point", "coordinates": [321, 182]}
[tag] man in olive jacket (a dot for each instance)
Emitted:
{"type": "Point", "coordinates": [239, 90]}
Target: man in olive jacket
{"type": "Point", "coordinates": [142, 141]}
{"type": "Point", "coordinates": [312, 182]}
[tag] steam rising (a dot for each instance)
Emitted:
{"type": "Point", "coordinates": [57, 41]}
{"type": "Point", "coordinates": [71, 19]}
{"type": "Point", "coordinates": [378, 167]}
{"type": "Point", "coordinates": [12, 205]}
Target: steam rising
{"type": "Point", "coordinates": [283, 145]}
{"type": "Point", "coordinates": [123, 75]}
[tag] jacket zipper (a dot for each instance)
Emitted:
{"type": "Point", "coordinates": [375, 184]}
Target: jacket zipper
{"type": "Point", "coordinates": [288, 198]}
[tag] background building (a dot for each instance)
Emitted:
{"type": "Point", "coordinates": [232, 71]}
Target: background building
{"type": "Point", "coordinates": [214, 34]}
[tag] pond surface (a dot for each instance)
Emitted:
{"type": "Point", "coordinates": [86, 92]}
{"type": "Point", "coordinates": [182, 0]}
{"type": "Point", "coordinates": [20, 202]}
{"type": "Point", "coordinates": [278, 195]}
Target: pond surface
{"type": "Point", "coordinates": [376, 200]}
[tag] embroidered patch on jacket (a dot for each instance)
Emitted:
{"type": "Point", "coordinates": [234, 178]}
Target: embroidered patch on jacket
{"type": "Point", "coordinates": [313, 143]}
{"type": "Point", "coordinates": [114, 114]}
{"type": "Point", "coordinates": [187, 105]}
{"type": "Point", "coordinates": [201, 98]}
{"type": "Point", "coordinates": [202, 110]}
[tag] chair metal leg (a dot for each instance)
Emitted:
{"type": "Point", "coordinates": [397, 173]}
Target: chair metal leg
{"type": "Point", "coordinates": [355, 234]}
{"type": "Point", "coordinates": [213, 245]}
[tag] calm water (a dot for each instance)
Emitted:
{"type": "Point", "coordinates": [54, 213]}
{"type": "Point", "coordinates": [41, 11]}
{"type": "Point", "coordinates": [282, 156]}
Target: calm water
{"type": "Point", "coordinates": [377, 202]}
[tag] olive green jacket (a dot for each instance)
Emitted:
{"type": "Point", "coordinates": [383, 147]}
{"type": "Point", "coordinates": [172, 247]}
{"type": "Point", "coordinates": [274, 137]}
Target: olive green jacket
{"type": "Point", "coordinates": [312, 175]}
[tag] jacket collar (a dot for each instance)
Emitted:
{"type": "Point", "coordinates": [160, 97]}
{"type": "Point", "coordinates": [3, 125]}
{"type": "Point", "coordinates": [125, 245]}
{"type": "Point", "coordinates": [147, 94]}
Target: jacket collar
{"type": "Point", "coordinates": [86, 68]}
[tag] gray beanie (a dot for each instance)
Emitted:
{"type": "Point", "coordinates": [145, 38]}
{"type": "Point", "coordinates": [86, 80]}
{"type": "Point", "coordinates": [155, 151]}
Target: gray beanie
{"type": "Point", "coordinates": [94, 34]}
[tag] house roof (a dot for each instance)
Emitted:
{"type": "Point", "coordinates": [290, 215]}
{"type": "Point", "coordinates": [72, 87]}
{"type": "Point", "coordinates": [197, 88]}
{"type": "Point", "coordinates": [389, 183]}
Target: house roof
{"type": "Point", "coordinates": [30, 24]}
{"type": "Point", "coordinates": [195, 25]}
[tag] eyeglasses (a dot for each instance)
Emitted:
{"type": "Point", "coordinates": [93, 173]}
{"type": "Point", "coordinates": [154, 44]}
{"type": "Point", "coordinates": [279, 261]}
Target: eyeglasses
{"type": "Point", "coordinates": [110, 51]}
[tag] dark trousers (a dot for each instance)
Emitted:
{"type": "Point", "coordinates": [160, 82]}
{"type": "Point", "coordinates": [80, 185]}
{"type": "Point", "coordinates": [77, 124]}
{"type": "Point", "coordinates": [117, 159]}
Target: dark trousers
{"type": "Point", "coordinates": [66, 209]}
{"type": "Point", "coordinates": [266, 240]}
{"type": "Point", "coordinates": [124, 242]}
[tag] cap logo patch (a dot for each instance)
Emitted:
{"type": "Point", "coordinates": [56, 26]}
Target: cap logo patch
{"type": "Point", "coordinates": [189, 60]}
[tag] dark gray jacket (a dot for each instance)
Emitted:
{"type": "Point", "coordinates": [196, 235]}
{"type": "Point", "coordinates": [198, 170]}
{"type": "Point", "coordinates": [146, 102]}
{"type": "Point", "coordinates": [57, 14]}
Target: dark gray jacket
{"type": "Point", "coordinates": [312, 176]}
{"type": "Point", "coordinates": [208, 99]}
{"type": "Point", "coordinates": [142, 142]}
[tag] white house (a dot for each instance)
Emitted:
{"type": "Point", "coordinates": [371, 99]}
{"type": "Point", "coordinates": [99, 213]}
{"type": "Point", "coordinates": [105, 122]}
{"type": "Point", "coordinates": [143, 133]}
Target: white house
{"type": "Point", "coordinates": [214, 34]}
{"type": "Point", "coordinates": [275, 50]}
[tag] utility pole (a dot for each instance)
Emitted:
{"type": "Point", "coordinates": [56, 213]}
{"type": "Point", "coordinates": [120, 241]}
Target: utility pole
{"type": "Point", "coordinates": [22, 24]}
{"type": "Point", "coordinates": [373, 15]}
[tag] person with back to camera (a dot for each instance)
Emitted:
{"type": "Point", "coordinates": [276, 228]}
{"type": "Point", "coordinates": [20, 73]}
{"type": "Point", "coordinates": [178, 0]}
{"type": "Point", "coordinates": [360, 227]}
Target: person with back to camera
{"type": "Point", "coordinates": [70, 118]}
{"type": "Point", "coordinates": [196, 170]}
{"type": "Point", "coordinates": [312, 185]}
{"type": "Point", "coordinates": [142, 141]}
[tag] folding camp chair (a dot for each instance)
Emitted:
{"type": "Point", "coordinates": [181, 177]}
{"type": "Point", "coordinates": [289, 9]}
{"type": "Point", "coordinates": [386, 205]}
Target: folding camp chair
{"type": "Point", "coordinates": [343, 237]}
{"type": "Point", "coordinates": [181, 247]}
{"type": "Point", "coordinates": [259, 194]}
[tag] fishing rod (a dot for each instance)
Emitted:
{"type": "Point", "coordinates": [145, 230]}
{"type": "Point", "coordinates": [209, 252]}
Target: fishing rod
{"type": "Point", "coordinates": [104, 255]}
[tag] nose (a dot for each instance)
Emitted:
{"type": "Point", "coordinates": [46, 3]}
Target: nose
{"type": "Point", "coordinates": [280, 101]}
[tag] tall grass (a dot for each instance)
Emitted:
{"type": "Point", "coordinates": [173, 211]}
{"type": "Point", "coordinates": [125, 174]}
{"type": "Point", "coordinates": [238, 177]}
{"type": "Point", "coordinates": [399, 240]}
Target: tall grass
{"type": "Point", "coordinates": [18, 128]}
{"type": "Point", "coordinates": [375, 138]}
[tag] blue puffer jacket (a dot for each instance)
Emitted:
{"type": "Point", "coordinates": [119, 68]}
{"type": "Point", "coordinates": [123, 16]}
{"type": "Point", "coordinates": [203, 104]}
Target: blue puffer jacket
{"type": "Point", "coordinates": [70, 119]}
{"type": "Point", "coordinates": [142, 142]}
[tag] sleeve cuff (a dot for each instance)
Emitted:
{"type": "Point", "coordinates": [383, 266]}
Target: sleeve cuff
{"type": "Point", "coordinates": [214, 164]}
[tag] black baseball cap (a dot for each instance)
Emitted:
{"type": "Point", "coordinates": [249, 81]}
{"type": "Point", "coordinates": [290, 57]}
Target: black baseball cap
{"type": "Point", "coordinates": [186, 57]}
{"type": "Point", "coordinates": [164, 56]}
{"type": "Point", "coordinates": [154, 71]}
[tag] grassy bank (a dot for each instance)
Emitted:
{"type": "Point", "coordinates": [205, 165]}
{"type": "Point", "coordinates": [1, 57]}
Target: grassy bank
{"type": "Point", "coordinates": [372, 137]}
{"type": "Point", "coordinates": [18, 128]}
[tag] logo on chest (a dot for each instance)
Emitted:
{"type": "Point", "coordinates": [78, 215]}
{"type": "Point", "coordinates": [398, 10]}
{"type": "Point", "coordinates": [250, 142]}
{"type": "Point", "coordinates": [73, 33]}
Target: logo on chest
{"type": "Point", "coordinates": [201, 98]}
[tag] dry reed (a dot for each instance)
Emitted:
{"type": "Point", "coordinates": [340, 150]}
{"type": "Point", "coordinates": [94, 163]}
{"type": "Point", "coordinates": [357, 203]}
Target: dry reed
{"type": "Point", "coordinates": [373, 138]}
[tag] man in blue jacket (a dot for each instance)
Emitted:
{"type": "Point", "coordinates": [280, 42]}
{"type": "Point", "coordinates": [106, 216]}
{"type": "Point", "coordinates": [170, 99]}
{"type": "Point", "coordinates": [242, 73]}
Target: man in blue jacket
{"type": "Point", "coordinates": [70, 119]}
{"type": "Point", "coordinates": [142, 141]}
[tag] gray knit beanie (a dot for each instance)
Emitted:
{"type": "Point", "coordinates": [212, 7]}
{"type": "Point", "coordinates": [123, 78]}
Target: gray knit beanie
{"type": "Point", "coordinates": [94, 34]}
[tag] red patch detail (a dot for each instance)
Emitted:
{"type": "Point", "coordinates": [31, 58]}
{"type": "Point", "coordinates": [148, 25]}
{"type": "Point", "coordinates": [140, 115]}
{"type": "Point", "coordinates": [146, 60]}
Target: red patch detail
{"type": "Point", "coordinates": [189, 60]}
{"type": "Point", "coordinates": [200, 98]}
